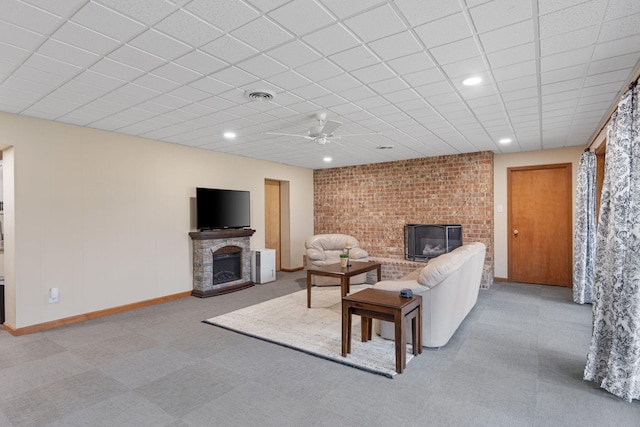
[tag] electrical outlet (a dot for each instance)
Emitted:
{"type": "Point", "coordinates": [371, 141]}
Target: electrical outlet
{"type": "Point", "coordinates": [53, 295]}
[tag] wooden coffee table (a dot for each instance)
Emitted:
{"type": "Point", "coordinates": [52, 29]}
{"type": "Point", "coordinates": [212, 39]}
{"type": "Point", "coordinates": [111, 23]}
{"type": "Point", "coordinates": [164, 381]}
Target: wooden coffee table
{"type": "Point", "coordinates": [343, 273]}
{"type": "Point", "coordinates": [384, 305]}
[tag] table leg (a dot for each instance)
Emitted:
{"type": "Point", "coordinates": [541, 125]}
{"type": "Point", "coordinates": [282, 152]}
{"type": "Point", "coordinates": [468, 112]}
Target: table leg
{"type": "Point", "coordinates": [379, 271]}
{"type": "Point", "coordinates": [344, 285]}
{"type": "Point", "coordinates": [346, 327]}
{"type": "Point", "coordinates": [418, 329]}
{"type": "Point", "coordinates": [401, 342]}
{"type": "Point", "coordinates": [308, 289]}
{"type": "Point", "coordinates": [365, 328]}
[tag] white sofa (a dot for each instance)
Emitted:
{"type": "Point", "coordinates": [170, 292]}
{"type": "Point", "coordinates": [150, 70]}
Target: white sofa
{"type": "Point", "coordinates": [449, 285]}
{"type": "Point", "coordinates": [325, 249]}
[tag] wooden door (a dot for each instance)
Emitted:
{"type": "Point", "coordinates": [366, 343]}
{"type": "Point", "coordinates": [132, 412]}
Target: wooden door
{"type": "Point", "coordinates": [272, 217]}
{"type": "Point", "coordinates": [539, 224]}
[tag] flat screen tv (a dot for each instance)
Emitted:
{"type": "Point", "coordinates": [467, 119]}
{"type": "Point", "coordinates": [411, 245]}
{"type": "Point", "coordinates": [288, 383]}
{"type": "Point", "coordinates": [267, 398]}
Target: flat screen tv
{"type": "Point", "coordinates": [219, 209]}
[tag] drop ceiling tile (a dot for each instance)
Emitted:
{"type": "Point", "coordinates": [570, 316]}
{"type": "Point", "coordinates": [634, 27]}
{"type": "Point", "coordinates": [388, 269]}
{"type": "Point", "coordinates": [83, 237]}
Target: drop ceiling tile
{"type": "Point", "coordinates": [521, 94]}
{"type": "Point", "coordinates": [411, 63]}
{"type": "Point", "coordinates": [563, 74]}
{"type": "Point", "coordinates": [517, 83]}
{"type": "Point", "coordinates": [19, 37]}
{"type": "Point", "coordinates": [355, 58]}
{"type": "Point", "coordinates": [344, 9]}
{"type": "Point", "coordinates": [506, 37]}
{"type": "Point", "coordinates": [437, 33]}
{"type": "Point", "coordinates": [373, 73]}
{"type": "Point", "coordinates": [340, 83]}
{"type": "Point", "coordinates": [565, 59]}
{"type": "Point", "coordinates": [403, 96]}
{"type": "Point", "coordinates": [423, 77]}
{"type": "Point", "coordinates": [620, 28]}
{"type": "Point", "coordinates": [573, 40]}
{"type": "Point", "coordinates": [611, 76]}
{"type": "Point", "coordinates": [29, 17]}
{"type": "Point", "coordinates": [496, 14]}
{"type": "Point", "coordinates": [330, 100]}
{"type": "Point", "coordinates": [376, 24]}
{"type": "Point", "coordinates": [289, 80]}
{"type": "Point", "coordinates": [612, 64]}
{"type": "Point", "coordinates": [311, 91]}
{"type": "Point", "coordinates": [229, 49]}
{"type": "Point", "coordinates": [201, 62]}
{"type": "Point", "coordinates": [262, 34]}
{"type": "Point", "coordinates": [616, 48]}
{"type": "Point", "coordinates": [443, 99]}
{"type": "Point", "coordinates": [570, 19]}
{"type": "Point", "coordinates": [107, 22]}
{"type": "Point", "coordinates": [67, 53]}
{"type": "Point", "coordinates": [52, 66]}
{"type": "Point", "coordinates": [358, 93]}
{"type": "Point", "coordinates": [456, 51]}
{"type": "Point", "coordinates": [262, 66]}
{"type": "Point", "coordinates": [225, 15]}
{"type": "Point", "coordinates": [373, 102]}
{"type": "Point", "coordinates": [428, 91]}
{"type": "Point", "coordinates": [188, 28]}
{"type": "Point", "coordinates": [98, 80]}
{"type": "Point", "coordinates": [158, 44]}
{"type": "Point", "coordinates": [234, 77]}
{"type": "Point", "coordinates": [468, 67]}
{"type": "Point", "coordinates": [147, 11]}
{"type": "Point", "coordinates": [11, 57]}
{"type": "Point", "coordinates": [131, 94]}
{"type": "Point", "coordinates": [294, 54]}
{"type": "Point", "coordinates": [395, 46]}
{"type": "Point", "coordinates": [84, 38]}
{"type": "Point", "coordinates": [620, 8]}
{"type": "Point", "coordinates": [393, 84]}
{"type": "Point", "coordinates": [331, 40]}
{"type": "Point", "coordinates": [319, 70]}
{"type": "Point", "coordinates": [420, 11]}
{"type": "Point", "coordinates": [59, 8]}
{"type": "Point", "coordinates": [485, 92]}
{"type": "Point", "coordinates": [514, 71]}
{"type": "Point", "coordinates": [267, 5]}
{"type": "Point", "coordinates": [136, 58]}
{"type": "Point", "coordinates": [170, 101]}
{"type": "Point", "coordinates": [177, 73]}
{"type": "Point", "coordinates": [116, 69]}
{"type": "Point", "coordinates": [302, 17]}
{"type": "Point", "coordinates": [561, 86]}
{"type": "Point", "coordinates": [156, 83]}
{"type": "Point", "coordinates": [611, 87]}
{"type": "Point", "coordinates": [560, 96]}
{"type": "Point", "coordinates": [512, 55]}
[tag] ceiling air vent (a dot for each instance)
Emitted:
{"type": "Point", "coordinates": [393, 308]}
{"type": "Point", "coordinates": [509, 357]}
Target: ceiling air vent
{"type": "Point", "coordinates": [259, 94]}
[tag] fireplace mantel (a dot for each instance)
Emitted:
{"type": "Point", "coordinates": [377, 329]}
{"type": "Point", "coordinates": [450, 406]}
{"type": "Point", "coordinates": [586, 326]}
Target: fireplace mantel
{"type": "Point", "coordinates": [205, 243]}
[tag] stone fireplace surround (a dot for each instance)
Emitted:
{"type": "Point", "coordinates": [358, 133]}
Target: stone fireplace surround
{"type": "Point", "coordinates": [205, 243]}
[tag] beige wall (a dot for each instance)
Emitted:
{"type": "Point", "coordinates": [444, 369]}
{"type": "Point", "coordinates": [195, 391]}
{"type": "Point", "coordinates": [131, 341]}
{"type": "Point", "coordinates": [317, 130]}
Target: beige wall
{"type": "Point", "coordinates": [501, 163]}
{"type": "Point", "coordinates": [105, 217]}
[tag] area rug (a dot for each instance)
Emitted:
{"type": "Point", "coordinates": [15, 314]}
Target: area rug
{"type": "Point", "coordinates": [317, 330]}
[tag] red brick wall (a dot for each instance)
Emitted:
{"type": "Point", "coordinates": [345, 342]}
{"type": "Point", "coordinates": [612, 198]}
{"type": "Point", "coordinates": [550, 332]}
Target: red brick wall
{"type": "Point", "coordinates": [373, 202]}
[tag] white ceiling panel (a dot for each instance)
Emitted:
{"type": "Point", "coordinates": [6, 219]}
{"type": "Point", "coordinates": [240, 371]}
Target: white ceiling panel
{"type": "Point", "coordinates": [178, 71]}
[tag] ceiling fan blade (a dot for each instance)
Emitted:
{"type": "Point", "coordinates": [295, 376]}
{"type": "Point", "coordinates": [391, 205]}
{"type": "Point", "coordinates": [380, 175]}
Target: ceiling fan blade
{"type": "Point", "coordinates": [330, 127]}
{"type": "Point", "coordinates": [286, 134]}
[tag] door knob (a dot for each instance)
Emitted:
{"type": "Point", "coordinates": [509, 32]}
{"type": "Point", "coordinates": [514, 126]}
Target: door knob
{"type": "Point", "coordinates": [515, 232]}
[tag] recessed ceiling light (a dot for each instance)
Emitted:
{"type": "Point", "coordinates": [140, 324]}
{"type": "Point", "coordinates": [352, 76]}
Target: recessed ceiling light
{"type": "Point", "coordinates": [229, 135]}
{"type": "Point", "coordinates": [505, 140]}
{"type": "Point", "coordinates": [327, 159]}
{"type": "Point", "coordinates": [471, 81]}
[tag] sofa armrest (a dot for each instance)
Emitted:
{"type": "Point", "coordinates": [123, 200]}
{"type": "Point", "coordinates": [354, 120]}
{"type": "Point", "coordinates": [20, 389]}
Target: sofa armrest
{"type": "Point", "coordinates": [358, 253]}
{"type": "Point", "coordinates": [397, 285]}
{"type": "Point", "coordinates": [315, 255]}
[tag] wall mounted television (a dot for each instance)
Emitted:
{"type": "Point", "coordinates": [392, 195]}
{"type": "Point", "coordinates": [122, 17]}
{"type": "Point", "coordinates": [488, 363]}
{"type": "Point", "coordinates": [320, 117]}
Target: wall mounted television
{"type": "Point", "coordinates": [220, 209]}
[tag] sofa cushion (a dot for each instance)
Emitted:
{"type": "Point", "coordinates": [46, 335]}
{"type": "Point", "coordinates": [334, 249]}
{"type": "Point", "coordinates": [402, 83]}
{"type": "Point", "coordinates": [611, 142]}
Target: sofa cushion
{"type": "Point", "coordinates": [438, 269]}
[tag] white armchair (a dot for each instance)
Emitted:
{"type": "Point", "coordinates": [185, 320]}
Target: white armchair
{"type": "Point", "coordinates": [325, 249]}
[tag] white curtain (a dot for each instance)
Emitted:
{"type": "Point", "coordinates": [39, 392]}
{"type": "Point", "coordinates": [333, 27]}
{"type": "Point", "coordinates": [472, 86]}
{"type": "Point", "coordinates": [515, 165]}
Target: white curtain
{"type": "Point", "coordinates": [614, 354]}
{"type": "Point", "coordinates": [584, 239]}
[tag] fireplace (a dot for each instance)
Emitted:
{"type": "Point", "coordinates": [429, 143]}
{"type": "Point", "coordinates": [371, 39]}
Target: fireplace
{"type": "Point", "coordinates": [227, 265]}
{"type": "Point", "coordinates": [425, 241]}
{"type": "Point", "coordinates": [221, 261]}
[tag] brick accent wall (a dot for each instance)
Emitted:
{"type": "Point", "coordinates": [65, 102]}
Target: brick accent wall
{"type": "Point", "coordinates": [373, 202]}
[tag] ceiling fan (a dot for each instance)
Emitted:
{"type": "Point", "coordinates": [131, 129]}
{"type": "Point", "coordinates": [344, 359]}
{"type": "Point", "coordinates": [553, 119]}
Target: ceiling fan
{"type": "Point", "coordinates": [321, 133]}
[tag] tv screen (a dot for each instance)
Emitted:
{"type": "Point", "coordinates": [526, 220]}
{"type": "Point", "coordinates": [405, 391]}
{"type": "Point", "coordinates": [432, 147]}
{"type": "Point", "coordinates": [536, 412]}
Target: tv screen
{"type": "Point", "coordinates": [217, 208]}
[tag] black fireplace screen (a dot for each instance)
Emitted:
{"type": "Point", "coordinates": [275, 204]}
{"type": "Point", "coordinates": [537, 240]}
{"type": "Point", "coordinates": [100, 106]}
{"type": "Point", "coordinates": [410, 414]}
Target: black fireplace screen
{"type": "Point", "coordinates": [425, 241]}
{"type": "Point", "coordinates": [226, 267]}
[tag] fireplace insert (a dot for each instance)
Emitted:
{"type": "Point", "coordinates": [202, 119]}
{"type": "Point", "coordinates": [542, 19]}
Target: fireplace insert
{"type": "Point", "coordinates": [425, 241]}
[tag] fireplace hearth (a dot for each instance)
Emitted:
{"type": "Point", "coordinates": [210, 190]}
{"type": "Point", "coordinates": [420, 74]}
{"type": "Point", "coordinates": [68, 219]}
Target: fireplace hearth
{"type": "Point", "coordinates": [425, 241]}
{"type": "Point", "coordinates": [221, 261]}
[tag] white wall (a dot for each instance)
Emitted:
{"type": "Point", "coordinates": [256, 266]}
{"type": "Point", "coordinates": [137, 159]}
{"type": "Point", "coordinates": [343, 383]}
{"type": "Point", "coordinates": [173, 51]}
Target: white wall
{"type": "Point", "coordinates": [105, 217]}
{"type": "Point", "coordinates": [500, 164]}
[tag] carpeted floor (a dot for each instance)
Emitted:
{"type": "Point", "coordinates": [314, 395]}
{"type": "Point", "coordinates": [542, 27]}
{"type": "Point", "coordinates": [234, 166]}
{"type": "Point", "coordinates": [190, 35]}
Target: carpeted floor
{"type": "Point", "coordinates": [516, 360]}
{"type": "Point", "coordinates": [317, 330]}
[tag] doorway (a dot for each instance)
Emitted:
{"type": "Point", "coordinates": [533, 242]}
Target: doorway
{"type": "Point", "coordinates": [539, 224]}
{"type": "Point", "coordinates": [272, 220]}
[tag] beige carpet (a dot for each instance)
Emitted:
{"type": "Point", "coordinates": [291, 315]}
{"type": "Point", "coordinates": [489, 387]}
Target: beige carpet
{"type": "Point", "coordinates": [317, 330]}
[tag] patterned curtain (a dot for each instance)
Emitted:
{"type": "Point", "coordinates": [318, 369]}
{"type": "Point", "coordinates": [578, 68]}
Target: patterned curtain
{"type": "Point", "coordinates": [584, 239]}
{"type": "Point", "coordinates": [614, 354]}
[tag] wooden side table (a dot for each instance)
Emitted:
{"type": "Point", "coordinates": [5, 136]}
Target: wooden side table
{"type": "Point", "coordinates": [343, 273]}
{"type": "Point", "coordinates": [389, 306]}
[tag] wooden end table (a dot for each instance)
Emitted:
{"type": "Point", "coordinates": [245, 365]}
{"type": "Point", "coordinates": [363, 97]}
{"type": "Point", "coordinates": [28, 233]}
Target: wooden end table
{"type": "Point", "coordinates": [384, 305]}
{"type": "Point", "coordinates": [343, 273]}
